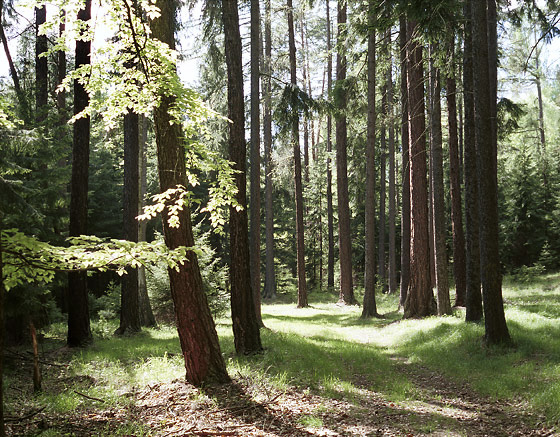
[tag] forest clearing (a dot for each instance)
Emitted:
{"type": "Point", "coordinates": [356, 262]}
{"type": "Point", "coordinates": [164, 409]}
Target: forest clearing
{"type": "Point", "coordinates": [325, 372]}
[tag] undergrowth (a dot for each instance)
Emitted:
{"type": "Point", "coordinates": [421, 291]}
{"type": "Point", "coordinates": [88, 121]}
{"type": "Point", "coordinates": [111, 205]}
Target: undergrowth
{"type": "Point", "coordinates": [326, 349]}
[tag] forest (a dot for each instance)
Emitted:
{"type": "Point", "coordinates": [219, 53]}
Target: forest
{"type": "Point", "coordinates": [279, 218]}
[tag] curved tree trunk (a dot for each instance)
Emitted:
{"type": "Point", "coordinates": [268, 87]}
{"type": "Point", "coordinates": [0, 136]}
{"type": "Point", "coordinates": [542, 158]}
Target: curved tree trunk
{"type": "Point", "coordinates": [245, 324]}
{"type": "Point", "coordinates": [79, 330]}
{"type": "Point", "coordinates": [197, 333]}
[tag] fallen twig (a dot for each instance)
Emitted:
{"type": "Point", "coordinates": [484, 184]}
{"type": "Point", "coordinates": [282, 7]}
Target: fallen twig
{"type": "Point", "coordinates": [89, 397]}
{"type": "Point", "coordinates": [27, 416]}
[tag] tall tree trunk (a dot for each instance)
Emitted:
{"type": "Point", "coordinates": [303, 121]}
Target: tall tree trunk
{"type": "Point", "coordinates": [79, 330]}
{"type": "Point", "coordinates": [270, 273]}
{"type": "Point", "coordinates": [438, 201]}
{"type": "Point", "coordinates": [300, 243]}
{"type": "Point", "coordinates": [459, 266]}
{"type": "Point", "coordinates": [305, 72]}
{"type": "Point", "coordinates": [392, 278]}
{"type": "Point", "coordinates": [130, 314]}
{"type": "Point", "coordinates": [405, 206]}
{"type": "Point", "coordinates": [2, 428]}
{"type": "Point", "coordinates": [41, 68]}
{"type": "Point", "coordinates": [419, 300]}
{"type": "Point", "coordinates": [147, 318]}
{"type": "Point", "coordinates": [204, 362]}
{"type": "Point", "coordinates": [245, 324]}
{"type": "Point", "coordinates": [381, 265]}
{"type": "Point", "coordinates": [255, 160]}
{"type": "Point", "coordinates": [473, 292]}
{"type": "Point", "coordinates": [370, 306]}
{"type": "Point", "coordinates": [496, 331]}
{"type": "Point", "coordinates": [330, 209]}
{"type": "Point", "coordinates": [344, 241]}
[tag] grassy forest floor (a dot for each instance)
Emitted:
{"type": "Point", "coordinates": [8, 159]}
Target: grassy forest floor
{"type": "Point", "coordinates": [325, 372]}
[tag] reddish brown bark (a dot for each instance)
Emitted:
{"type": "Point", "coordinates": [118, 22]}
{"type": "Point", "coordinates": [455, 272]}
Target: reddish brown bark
{"type": "Point", "coordinates": [419, 300]}
{"type": "Point", "coordinates": [245, 325]}
{"type": "Point", "coordinates": [405, 206]}
{"type": "Point", "coordinates": [197, 334]}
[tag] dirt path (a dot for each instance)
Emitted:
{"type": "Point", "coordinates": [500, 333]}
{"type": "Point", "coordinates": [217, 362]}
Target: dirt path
{"type": "Point", "coordinates": [249, 408]}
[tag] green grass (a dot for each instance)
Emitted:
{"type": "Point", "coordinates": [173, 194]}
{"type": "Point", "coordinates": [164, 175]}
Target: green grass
{"type": "Point", "coordinates": [329, 350]}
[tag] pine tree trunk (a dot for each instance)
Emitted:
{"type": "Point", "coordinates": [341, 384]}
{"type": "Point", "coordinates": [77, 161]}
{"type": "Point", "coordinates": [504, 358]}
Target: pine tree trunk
{"type": "Point", "coordinates": [419, 300]}
{"type": "Point", "coordinates": [300, 242]}
{"type": "Point", "coordinates": [370, 306]}
{"type": "Point", "coordinates": [245, 324]}
{"type": "Point", "coordinates": [41, 68]}
{"type": "Point", "coordinates": [438, 201]}
{"type": "Point", "coordinates": [197, 333]}
{"type": "Point", "coordinates": [79, 331]}
{"type": "Point", "coordinates": [130, 314]}
{"type": "Point", "coordinates": [344, 242]}
{"type": "Point", "coordinates": [147, 318]}
{"type": "Point", "coordinates": [2, 427]}
{"type": "Point", "coordinates": [496, 331]}
{"type": "Point", "coordinates": [330, 209]}
{"type": "Point", "coordinates": [459, 266]}
{"type": "Point", "coordinates": [473, 292]}
{"type": "Point", "coordinates": [392, 278]}
{"type": "Point", "coordinates": [381, 266]}
{"type": "Point", "coordinates": [270, 273]}
{"type": "Point", "coordinates": [405, 206]}
{"type": "Point", "coordinates": [255, 160]}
